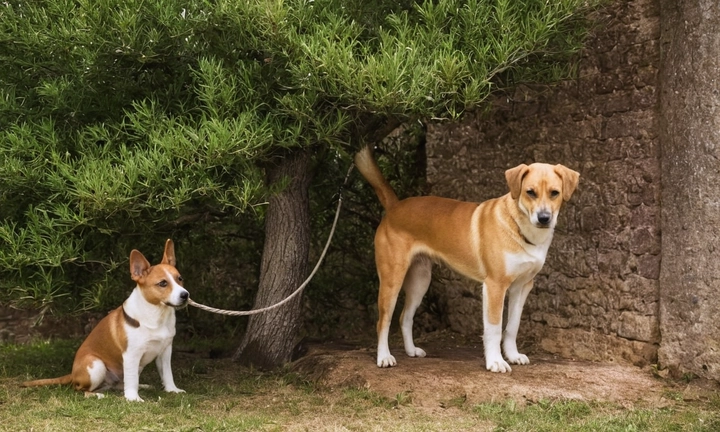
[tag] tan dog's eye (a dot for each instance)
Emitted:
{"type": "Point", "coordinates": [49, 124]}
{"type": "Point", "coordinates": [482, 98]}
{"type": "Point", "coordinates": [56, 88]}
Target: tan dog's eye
{"type": "Point", "coordinates": [531, 193]}
{"type": "Point", "coordinates": [162, 284]}
{"type": "Point", "coordinates": [555, 194]}
{"type": "Point", "coordinates": [180, 279]}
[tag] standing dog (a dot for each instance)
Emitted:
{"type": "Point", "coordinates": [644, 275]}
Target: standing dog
{"type": "Point", "coordinates": [501, 242]}
{"type": "Point", "coordinates": [131, 336]}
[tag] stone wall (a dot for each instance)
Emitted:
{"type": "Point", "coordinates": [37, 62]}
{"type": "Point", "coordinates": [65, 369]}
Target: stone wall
{"type": "Point", "coordinates": [597, 296]}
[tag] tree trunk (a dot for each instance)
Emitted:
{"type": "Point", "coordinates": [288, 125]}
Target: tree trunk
{"type": "Point", "coordinates": [270, 337]}
{"type": "Point", "coordinates": [690, 140]}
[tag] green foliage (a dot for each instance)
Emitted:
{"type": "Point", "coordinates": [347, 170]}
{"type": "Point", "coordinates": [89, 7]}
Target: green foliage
{"type": "Point", "coordinates": [128, 122]}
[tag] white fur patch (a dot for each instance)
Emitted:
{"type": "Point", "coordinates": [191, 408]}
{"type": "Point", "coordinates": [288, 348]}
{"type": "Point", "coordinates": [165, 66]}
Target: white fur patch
{"type": "Point", "coordinates": [97, 371]}
{"type": "Point", "coordinates": [525, 265]}
{"type": "Point", "coordinates": [174, 298]}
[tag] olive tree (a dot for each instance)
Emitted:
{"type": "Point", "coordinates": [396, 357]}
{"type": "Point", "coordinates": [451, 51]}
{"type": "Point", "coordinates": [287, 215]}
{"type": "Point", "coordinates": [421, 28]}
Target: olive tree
{"type": "Point", "coordinates": [128, 121]}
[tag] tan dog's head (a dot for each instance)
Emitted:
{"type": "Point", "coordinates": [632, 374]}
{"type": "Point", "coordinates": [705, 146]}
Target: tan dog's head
{"type": "Point", "coordinates": [540, 190]}
{"type": "Point", "coordinates": [160, 284]}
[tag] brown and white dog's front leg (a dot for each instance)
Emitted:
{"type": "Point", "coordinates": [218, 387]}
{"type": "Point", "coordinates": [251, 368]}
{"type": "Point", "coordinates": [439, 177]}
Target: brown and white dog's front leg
{"type": "Point", "coordinates": [517, 294]}
{"type": "Point", "coordinates": [163, 366]}
{"type": "Point", "coordinates": [131, 375]}
{"type": "Point", "coordinates": [493, 299]}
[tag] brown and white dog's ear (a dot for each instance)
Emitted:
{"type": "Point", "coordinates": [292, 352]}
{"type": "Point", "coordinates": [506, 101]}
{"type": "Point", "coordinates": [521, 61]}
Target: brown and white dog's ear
{"type": "Point", "coordinates": [569, 178]}
{"type": "Point", "coordinates": [514, 177]}
{"type": "Point", "coordinates": [138, 265]}
{"type": "Point", "coordinates": [169, 255]}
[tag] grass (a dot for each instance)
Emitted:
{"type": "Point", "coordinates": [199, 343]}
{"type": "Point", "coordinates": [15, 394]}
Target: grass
{"type": "Point", "coordinates": [222, 396]}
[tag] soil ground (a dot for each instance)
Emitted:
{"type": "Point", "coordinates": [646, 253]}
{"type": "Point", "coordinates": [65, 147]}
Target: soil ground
{"type": "Point", "coordinates": [454, 372]}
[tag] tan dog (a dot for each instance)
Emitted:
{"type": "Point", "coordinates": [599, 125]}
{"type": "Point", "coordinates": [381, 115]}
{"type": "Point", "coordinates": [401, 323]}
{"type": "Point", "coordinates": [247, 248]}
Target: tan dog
{"type": "Point", "coordinates": [501, 242]}
{"type": "Point", "coordinates": [131, 336]}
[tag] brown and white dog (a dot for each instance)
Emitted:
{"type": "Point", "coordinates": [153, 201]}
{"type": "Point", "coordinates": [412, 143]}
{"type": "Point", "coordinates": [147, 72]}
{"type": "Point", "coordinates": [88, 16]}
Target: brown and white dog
{"type": "Point", "coordinates": [501, 242]}
{"type": "Point", "coordinates": [131, 336]}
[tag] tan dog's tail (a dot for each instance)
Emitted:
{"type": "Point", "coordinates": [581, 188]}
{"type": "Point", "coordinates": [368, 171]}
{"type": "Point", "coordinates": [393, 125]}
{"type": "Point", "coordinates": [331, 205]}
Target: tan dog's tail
{"type": "Point", "coordinates": [67, 379]}
{"type": "Point", "coordinates": [365, 162]}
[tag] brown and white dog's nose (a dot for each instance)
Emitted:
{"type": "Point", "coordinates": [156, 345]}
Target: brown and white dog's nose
{"type": "Point", "coordinates": [184, 296]}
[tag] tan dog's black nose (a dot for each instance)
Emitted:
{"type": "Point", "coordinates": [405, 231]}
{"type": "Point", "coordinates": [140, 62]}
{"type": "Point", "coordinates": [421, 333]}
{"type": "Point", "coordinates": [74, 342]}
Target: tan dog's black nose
{"type": "Point", "coordinates": [544, 218]}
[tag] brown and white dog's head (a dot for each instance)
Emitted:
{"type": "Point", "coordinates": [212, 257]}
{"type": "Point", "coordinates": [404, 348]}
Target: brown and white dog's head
{"type": "Point", "coordinates": [160, 284]}
{"type": "Point", "coordinates": [540, 190]}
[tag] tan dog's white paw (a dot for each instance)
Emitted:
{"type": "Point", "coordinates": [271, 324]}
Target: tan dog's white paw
{"type": "Point", "coordinates": [387, 361]}
{"type": "Point", "coordinates": [175, 390]}
{"type": "Point", "coordinates": [498, 366]}
{"type": "Point", "coordinates": [520, 359]}
{"type": "Point", "coordinates": [416, 352]}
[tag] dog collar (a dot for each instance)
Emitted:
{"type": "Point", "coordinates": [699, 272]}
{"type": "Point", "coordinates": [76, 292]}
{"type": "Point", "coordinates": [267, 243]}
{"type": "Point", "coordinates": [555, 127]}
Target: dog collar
{"type": "Point", "coordinates": [517, 225]}
{"type": "Point", "coordinates": [526, 240]}
{"type": "Point", "coordinates": [132, 322]}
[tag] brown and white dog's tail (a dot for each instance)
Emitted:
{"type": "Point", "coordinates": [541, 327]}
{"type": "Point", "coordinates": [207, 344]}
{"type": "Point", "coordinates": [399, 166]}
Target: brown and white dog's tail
{"type": "Point", "coordinates": [365, 162]}
{"type": "Point", "coordinates": [67, 379]}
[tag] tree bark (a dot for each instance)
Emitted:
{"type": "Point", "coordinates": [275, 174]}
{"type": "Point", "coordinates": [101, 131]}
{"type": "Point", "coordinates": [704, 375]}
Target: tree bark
{"type": "Point", "coordinates": [690, 140]}
{"type": "Point", "coordinates": [270, 337]}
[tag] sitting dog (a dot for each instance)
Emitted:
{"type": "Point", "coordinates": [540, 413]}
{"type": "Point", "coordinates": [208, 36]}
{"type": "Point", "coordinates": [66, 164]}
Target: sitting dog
{"type": "Point", "coordinates": [501, 242]}
{"type": "Point", "coordinates": [131, 336]}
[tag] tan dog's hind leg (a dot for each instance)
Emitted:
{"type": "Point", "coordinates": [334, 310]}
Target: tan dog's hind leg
{"type": "Point", "coordinates": [387, 298]}
{"type": "Point", "coordinates": [517, 294]}
{"type": "Point", "coordinates": [417, 281]}
{"type": "Point", "coordinates": [392, 265]}
{"type": "Point", "coordinates": [493, 299]}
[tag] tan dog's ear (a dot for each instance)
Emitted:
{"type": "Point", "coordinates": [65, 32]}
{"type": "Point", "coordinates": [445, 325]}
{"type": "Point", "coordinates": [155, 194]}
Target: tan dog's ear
{"type": "Point", "coordinates": [514, 177]}
{"type": "Point", "coordinates": [169, 255]}
{"type": "Point", "coordinates": [138, 265]}
{"type": "Point", "coordinates": [569, 178]}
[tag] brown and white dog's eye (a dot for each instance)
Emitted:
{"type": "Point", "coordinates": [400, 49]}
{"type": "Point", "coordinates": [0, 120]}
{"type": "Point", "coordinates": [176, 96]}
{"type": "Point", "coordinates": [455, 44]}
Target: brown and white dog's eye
{"type": "Point", "coordinates": [531, 193]}
{"type": "Point", "coordinates": [554, 194]}
{"type": "Point", "coordinates": [162, 284]}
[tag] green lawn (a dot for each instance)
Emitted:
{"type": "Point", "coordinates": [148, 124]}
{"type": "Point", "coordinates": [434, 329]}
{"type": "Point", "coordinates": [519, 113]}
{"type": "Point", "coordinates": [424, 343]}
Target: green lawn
{"type": "Point", "coordinates": [222, 396]}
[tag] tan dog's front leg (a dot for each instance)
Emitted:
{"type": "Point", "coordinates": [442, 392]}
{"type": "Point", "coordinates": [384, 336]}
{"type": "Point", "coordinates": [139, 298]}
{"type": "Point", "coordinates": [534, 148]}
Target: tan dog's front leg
{"type": "Point", "coordinates": [517, 294]}
{"type": "Point", "coordinates": [493, 298]}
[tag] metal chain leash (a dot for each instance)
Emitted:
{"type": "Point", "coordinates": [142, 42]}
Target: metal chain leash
{"type": "Point", "coordinates": [301, 287]}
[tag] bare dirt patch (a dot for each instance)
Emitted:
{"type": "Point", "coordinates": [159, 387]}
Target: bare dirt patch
{"type": "Point", "coordinates": [454, 373]}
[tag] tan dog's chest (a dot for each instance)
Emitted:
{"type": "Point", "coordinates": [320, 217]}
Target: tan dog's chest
{"type": "Point", "coordinates": [521, 267]}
